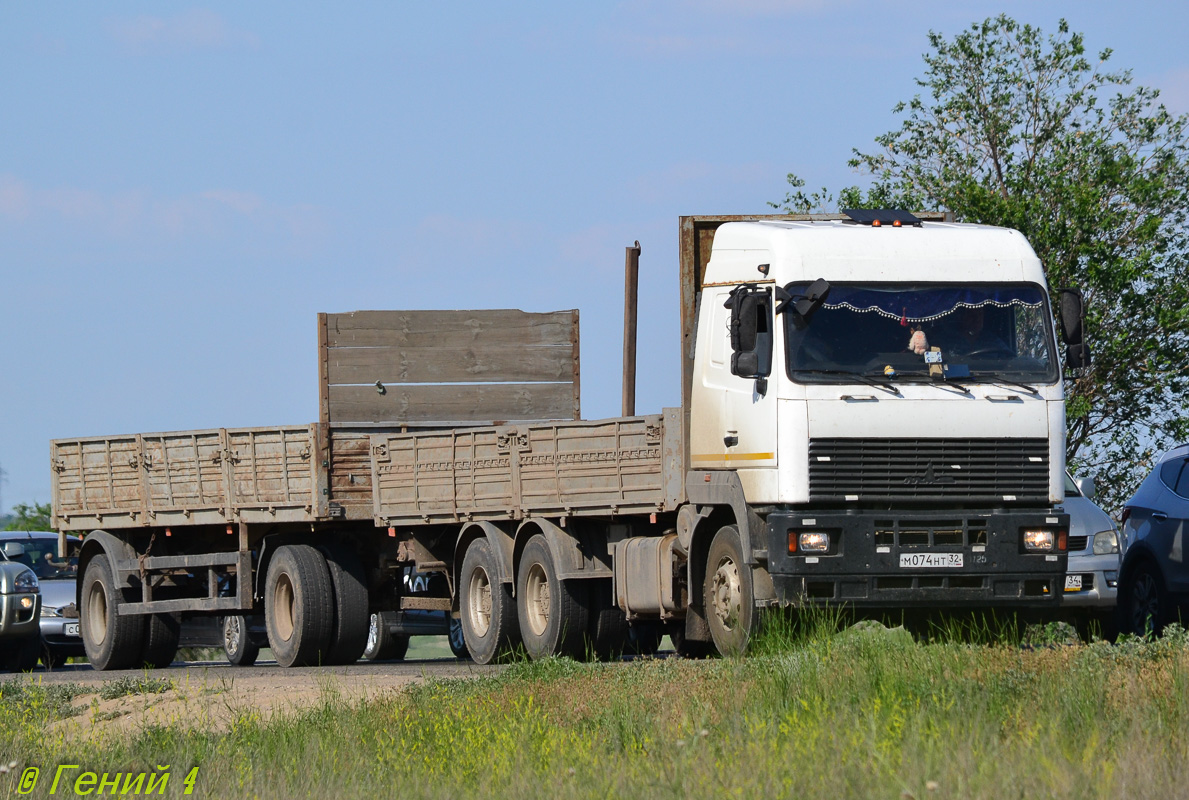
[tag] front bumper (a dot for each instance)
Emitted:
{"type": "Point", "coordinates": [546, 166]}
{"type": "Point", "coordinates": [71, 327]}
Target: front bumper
{"type": "Point", "coordinates": [868, 563]}
{"type": "Point", "coordinates": [17, 622]}
{"type": "Point", "coordinates": [1097, 583]}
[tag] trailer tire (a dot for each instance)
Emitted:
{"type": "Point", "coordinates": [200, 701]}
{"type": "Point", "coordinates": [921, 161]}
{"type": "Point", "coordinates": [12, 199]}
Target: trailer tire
{"type": "Point", "coordinates": [488, 612]}
{"type": "Point", "coordinates": [553, 613]}
{"type": "Point", "coordinates": [298, 606]}
{"type": "Point", "coordinates": [727, 593]}
{"type": "Point", "coordinates": [162, 632]}
{"type": "Point", "coordinates": [112, 640]}
{"type": "Point", "coordinates": [238, 646]}
{"type": "Point", "coordinates": [349, 633]}
{"type": "Point", "coordinates": [382, 645]}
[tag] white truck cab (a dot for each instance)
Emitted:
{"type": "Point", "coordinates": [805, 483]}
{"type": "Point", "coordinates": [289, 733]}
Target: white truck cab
{"type": "Point", "coordinates": [890, 397]}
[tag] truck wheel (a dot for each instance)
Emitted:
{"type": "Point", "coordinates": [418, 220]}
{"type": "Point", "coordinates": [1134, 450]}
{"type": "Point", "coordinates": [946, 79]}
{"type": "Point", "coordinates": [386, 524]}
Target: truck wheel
{"type": "Point", "coordinates": [609, 634]}
{"type": "Point", "coordinates": [488, 612]}
{"type": "Point", "coordinates": [237, 645]}
{"type": "Point", "coordinates": [1143, 601]}
{"type": "Point", "coordinates": [112, 640]}
{"type": "Point", "coordinates": [162, 632]}
{"type": "Point", "coordinates": [299, 606]}
{"type": "Point", "coordinates": [553, 613]}
{"type": "Point", "coordinates": [349, 634]}
{"type": "Point", "coordinates": [382, 645]}
{"type": "Point", "coordinates": [727, 593]}
{"type": "Point", "coordinates": [458, 642]}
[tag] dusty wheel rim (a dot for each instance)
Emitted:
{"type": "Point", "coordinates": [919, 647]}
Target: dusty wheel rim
{"type": "Point", "coordinates": [1145, 604]}
{"type": "Point", "coordinates": [479, 602]}
{"type": "Point", "coordinates": [373, 633]}
{"type": "Point", "coordinates": [726, 594]}
{"type": "Point", "coordinates": [97, 613]}
{"type": "Point", "coordinates": [232, 631]}
{"type": "Point", "coordinates": [283, 602]}
{"type": "Point", "coordinates": [536, 599]}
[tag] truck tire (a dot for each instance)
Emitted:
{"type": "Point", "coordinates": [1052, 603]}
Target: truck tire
{"type": "Point", "coordinates": [609, 635]}
{"type": "Point", "coordinates": [112, 640]}
{"type": "Point", "coordinates": [553, 613]}
{"type": "Point", "coordinates": [727, 593]}
{"type": "Point", "coordinates": [238, 646]}
{"type": "Point", "coordinates": [349, 633]}
{"type": "Point", "coordinates": [162, 632]}
{"type": "Point", "coordinates": [381, 644]}
{"type": "Point", "coordinates": [488, 612]}
{"type": "Point", "coordinates": [298, 606]}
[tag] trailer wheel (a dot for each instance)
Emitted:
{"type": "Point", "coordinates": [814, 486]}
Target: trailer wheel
{"type": "Point", "coordinates": [299, 606]}
{"type": "Point", "coordinates": [727, 593]}
{"type": "Point", "coordinates": [112, 640]}
{"type": "Point", "coordinates": [488, 611]}
{"type": "Point", "coordinates": [162, 632]}
{"type": "Point", "coordinates": [553, 613]}
{"type": "Point", "coordinates": [458, 642]}
{"type": "Point", "coordinates": [237, 644]}
{"type": "Point", "coordinates": [351, 620]}
{"type": "Point", "coordinates": [381, 644]}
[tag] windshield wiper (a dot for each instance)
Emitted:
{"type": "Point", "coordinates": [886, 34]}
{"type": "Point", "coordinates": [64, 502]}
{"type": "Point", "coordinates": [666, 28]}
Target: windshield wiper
{"type": "Point", "coordinates": [933, 382]}
{"type": "Point", "coordinates": [993, 378]}
{"type": "Point", "coordinates": [886, 385]}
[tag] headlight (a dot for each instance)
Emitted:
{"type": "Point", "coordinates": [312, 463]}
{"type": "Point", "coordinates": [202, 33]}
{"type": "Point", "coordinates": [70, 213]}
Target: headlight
{"type": "Point", "coordinates": [25, 582]}
{"type": "Point", "coordinates": [1038, 540]}
{"type": "Point", "coordinates": [1106, 542]}
{"type": "Point", "coordinates": [815, 542]}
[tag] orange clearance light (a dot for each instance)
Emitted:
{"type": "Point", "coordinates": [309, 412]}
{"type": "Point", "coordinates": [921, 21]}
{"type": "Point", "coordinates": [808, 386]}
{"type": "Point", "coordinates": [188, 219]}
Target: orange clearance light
{"type": "Point", "coordinates": [875, 223]}
{"type": "Point", "coordinates": [168, 532]}
{"type": "Point", "coordinates": [229, 530]}
{"type": "Point", "coordinates": [392, 532]}
{"type": "Point", "coordinates": [792, 542]}
{"type": "Point", "coordinates": [1061, 543]}
{"type": "Point", "coordinates": [895, 223]}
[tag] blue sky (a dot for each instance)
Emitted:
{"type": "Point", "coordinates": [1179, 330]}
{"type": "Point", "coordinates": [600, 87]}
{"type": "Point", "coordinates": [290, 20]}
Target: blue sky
{"type": "Point", "coordinates": [183, 187]}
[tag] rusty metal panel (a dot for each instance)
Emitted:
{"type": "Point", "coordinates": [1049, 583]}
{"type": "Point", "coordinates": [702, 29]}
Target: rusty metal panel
{"type": "Point", "coordinates": [441, 367]}
{"type": "Point", "coordinates": [578, 468]}
{"type": "Point", "coordinates": [450, 403]}
{"type": "Point", "coordinates": [349, 477]}
{"type": "Point", "coordinates": [185, 476]}
{"type": "Point", "coordinates": [97, 481]}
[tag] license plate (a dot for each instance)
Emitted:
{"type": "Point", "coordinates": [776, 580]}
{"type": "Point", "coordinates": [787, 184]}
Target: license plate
{"type": "Point", "coordinates": [1073, 583]}
{"type": "Point", "coordinates": [70, 629]}
{"type": "Point", "coordinates": [930, 560]}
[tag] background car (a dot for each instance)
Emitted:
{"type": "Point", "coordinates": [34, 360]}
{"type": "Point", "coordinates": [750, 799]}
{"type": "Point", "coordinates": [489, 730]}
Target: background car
{"type": "Point", "coordinates": [58, 577]}
{"type": "Point", "coordinates": [20, 602]}
{"type": "Point", "coordinates": [1091, 579]}
{"type": "Point", "coordinates": [1154, 577]}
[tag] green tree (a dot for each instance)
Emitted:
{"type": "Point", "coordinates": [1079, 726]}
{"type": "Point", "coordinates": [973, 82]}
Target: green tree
{"type": "Point", "coordinates": [1026, 131]}
{"type": "Point", "coordinates": [34, 517]}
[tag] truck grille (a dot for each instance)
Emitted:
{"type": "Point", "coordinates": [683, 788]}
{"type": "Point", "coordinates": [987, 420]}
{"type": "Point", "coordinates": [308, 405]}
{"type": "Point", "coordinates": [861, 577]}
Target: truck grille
{"type": "Point", "coordinates": [928, 469]}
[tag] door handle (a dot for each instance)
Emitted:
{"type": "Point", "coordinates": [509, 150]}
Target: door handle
{"type": "Point", "coordinates": [1159, 516]}
{"type": "Point", "coordinates": [730, 440]}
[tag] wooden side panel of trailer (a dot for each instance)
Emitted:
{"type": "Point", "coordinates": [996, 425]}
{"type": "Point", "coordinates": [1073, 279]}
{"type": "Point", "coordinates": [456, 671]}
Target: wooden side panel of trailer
{"type": "Point", "coordinates": [605, 467]}
{"type": "Point", "coordinates": [205, 477]}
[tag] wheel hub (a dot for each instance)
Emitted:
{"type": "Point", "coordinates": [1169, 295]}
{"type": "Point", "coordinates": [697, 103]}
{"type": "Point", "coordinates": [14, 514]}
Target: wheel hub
{"type": "Point", "coordinates": [479, 602]}
{"type": "Point", "coordinates": [727, 593]}
{"type": "Point", "coordinates": [537, 599]}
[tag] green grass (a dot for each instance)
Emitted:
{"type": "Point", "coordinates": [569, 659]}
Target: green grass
{"type": "Point", "coordinates": [813, 712]}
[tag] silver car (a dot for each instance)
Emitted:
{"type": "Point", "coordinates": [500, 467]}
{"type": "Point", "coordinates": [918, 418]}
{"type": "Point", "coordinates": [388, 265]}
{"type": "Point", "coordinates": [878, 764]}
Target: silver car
{"type": "Point", "coordinates": [20, 601]}
{"type": "Point", "coordinates": [38, 550]}
{"type": "Point", "coordinates": [1092, 577]}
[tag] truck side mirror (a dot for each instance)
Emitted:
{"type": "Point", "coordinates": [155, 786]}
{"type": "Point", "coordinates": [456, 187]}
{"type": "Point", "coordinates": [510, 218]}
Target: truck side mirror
{"type": "Point", "coordinates": [803, 305]}
{"type": "Point", "coordinates": [1073, 322]}
{"type": "Point", "coordinates": [751, 333]}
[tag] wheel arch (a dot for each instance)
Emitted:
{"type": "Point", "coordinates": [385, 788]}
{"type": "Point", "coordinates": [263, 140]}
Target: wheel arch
{"type": "Point", "coordinates": [121, 558]}
{"type": "Point", "coordinates": [501, 545]}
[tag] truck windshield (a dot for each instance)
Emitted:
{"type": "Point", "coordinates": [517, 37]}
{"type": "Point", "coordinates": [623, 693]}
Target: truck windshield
{"type": "Point", "coordinates": [977, 332]}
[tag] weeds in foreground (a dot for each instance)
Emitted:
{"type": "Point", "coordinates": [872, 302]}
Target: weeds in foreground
{"type": "Point", "coordinates": [822, 708]}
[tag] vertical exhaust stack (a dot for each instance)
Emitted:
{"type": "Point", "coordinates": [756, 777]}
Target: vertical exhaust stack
{"type": "Point", "coordinates": [630, 289]}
